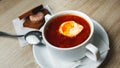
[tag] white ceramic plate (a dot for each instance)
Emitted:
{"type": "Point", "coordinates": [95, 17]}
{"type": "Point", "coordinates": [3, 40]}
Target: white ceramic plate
{"type": "Point", "coordinates": [100, 39]}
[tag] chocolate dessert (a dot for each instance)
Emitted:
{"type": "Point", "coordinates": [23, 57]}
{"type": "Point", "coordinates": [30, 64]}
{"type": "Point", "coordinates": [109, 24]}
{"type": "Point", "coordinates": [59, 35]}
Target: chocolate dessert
{"type": "Point", "coordinates": [34, 18]}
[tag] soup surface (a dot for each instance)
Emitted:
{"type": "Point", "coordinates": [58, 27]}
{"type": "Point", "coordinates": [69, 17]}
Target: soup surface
{"type": "Point", "coordinates": [54, 37]}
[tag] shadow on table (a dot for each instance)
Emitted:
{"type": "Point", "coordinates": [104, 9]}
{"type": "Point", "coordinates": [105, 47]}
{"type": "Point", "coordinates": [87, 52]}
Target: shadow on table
{"type": "Point", "coordinates": [109, 56]}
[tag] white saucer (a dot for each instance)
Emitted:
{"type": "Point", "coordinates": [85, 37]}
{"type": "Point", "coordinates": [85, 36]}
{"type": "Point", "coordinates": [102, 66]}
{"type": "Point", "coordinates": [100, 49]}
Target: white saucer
{"type": "Point", "coordinates": [100, 39]}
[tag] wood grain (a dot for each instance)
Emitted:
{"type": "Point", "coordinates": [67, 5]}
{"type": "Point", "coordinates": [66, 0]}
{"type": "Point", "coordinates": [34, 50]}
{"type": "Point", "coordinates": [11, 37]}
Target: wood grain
{"type": "Point", "coordinates": [106, 12]}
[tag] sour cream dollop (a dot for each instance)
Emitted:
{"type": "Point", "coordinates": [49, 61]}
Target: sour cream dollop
{"type": "Point", "coordinates": [70, 28]}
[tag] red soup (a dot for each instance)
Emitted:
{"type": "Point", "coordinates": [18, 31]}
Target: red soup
{"type": "Point", "coordinates": [54, 37]}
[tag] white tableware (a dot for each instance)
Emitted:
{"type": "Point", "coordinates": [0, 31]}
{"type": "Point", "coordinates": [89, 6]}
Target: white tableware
{"type": "Point", "coordinates": [72, 53]}
{"type": "Point", "coordinates": [44, 58]}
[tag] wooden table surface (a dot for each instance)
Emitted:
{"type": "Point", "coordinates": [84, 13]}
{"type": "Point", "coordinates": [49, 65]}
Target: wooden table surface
{"type": "Point", "coordinates": [106, 12]}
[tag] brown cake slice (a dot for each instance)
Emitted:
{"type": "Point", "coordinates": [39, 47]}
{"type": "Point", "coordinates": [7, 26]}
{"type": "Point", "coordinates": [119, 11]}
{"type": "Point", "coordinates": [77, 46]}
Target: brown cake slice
{"type": "Point", "coordinates": [34, 18]}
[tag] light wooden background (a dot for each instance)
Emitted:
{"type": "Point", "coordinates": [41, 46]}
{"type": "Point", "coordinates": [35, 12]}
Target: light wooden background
{"type": "Point", "coordinates": [106, 12]}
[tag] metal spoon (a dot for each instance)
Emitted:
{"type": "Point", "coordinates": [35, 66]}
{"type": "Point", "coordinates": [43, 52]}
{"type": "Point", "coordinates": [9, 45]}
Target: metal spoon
{"type": "Point", "coordinates": [32, 37]}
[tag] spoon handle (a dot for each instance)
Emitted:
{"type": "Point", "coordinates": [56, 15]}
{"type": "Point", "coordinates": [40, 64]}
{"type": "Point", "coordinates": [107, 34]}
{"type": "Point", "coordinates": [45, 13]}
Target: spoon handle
{"type": "Point", "coordinates": [9, 35]}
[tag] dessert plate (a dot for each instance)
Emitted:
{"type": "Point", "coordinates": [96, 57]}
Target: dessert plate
{"type": "Point", "coordinates": [100, 38]}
